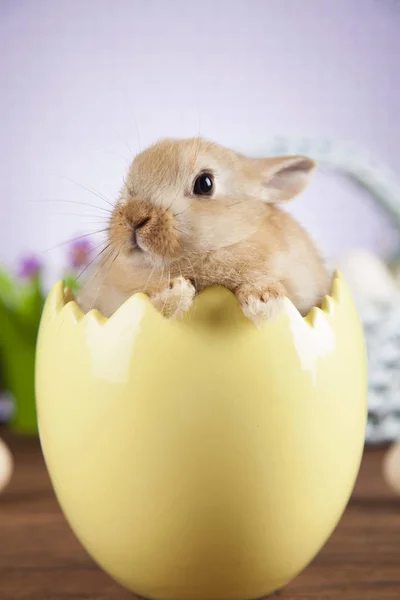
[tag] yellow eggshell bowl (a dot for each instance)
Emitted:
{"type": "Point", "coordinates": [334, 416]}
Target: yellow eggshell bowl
{"type": "Point", "coordinates": [202, 458]}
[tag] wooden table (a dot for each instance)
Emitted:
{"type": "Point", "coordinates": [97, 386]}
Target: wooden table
{"type": "Point", "coordinates": [40, 559]}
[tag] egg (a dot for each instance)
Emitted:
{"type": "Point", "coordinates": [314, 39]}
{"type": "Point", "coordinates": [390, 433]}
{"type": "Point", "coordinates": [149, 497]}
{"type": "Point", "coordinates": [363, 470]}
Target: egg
{"type": "Point", "coordinates": [391, 467]}
{"type": "Point", "coordinates": [6, 465]}
{"type": "Point", "coordinates": [202, 458]}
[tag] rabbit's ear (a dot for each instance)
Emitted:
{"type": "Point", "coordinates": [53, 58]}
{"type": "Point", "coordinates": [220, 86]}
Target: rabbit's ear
{"type": "Point", "coordinates": [284, 177]}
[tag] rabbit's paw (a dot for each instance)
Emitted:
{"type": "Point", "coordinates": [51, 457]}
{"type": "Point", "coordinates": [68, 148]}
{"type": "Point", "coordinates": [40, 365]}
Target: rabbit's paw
{"type": "Point", "coordinates": [261, 303]}
{"type": "Point", "coordinates": [175, 299]}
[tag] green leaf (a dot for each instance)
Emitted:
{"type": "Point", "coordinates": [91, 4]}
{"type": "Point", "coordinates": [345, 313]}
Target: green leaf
{"type": "Point", "coordinates": [9, 292]}
{"type": "Point", "coordinates": [17, 347]}
{"type": "Point", "coordinates": [31, 308]}
{"type": "Point", "coordinates": [72, 283]}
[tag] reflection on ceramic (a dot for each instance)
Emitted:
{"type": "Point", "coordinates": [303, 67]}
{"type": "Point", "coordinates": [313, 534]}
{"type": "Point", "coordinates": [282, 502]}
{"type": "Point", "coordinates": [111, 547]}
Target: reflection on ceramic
{"type": "Point", "coordinates": [202, 459]}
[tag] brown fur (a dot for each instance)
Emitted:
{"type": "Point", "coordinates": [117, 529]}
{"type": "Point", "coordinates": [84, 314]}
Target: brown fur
{"type": "Point", "coordinates": [238, 237]}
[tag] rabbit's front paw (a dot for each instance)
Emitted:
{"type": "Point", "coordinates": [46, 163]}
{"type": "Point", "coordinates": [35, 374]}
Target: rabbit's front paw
{"type": "Point", "coordinates": [261, 303]}
{"type": "Point", "coordinates": [175, 299]}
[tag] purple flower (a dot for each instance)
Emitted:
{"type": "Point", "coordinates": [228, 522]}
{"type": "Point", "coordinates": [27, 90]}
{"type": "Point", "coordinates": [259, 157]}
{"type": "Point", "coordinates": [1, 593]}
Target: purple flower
{"type": "Point", "coordinates": [29, 267]}
{"type": "Point", "coordinates": [79, 253]}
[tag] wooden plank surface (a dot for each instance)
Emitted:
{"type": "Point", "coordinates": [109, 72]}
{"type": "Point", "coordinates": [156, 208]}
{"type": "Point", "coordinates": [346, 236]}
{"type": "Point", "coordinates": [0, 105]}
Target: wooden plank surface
{"type": "Point", "coordinates": [40, 559]}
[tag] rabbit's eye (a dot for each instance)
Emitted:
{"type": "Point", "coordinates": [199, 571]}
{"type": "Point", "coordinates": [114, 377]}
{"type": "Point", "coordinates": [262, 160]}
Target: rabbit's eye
{"type": "Point", "coordinates": [204, 185]}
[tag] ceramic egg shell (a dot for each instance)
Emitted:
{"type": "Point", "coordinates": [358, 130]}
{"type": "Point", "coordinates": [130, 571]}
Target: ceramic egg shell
{"type": "Point", "coordinates": [202, 458]}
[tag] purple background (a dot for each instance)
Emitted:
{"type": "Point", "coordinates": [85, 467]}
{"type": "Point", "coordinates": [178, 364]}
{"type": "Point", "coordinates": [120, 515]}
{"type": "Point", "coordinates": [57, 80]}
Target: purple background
{"type": "Point", "coordinates": [85, 84]}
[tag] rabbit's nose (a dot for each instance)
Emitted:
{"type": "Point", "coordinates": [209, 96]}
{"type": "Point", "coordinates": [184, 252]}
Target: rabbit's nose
{"type": "Point", "coordinates": [141, 223]}
{"type": "Point", "coordinates": [137, 227]}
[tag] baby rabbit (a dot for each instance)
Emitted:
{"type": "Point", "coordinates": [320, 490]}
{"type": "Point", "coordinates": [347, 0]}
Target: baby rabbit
{"type": "Point", "coordinates": [192, 214]}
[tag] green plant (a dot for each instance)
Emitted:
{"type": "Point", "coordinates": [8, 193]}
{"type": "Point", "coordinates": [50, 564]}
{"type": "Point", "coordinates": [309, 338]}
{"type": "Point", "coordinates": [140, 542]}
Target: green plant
{"type": "Point", "coordinates": [21, 303]}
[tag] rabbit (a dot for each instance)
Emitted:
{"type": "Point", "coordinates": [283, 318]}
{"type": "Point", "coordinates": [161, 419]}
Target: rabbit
{"type": "Point", "coordinates": [193, 214]}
